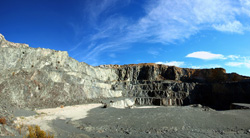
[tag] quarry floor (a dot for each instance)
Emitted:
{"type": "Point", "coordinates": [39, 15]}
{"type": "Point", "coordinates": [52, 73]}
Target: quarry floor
{"type": "Point", "coordinates": [93, 121]}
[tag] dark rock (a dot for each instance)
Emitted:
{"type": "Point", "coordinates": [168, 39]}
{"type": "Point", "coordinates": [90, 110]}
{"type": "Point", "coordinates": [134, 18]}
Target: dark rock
{"type": "Point", "coordinates": [37, 77]}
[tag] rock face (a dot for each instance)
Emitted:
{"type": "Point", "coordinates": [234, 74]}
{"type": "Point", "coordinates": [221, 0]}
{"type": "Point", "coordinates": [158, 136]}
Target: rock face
{"type": "Point", "coordinates": [37, 77]}
{"type": "Point", "coordinates": [45, 78]}
{"type": "Point", "coordinates": [169, 85]}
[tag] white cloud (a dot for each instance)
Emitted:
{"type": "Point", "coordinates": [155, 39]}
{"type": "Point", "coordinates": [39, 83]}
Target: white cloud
{"type": "Point", "coordinates": [238, 64]}
{"type": "Point", "coordinates": [206, 66]}
{"type": "Point", "coordinates": [205, 55]}
{"type": "Point", "coordinates": [234, 64]}
{"type": "Point", "coordinates": [233, 27]}
{"type": "Point", "coordinates": [233, 57]}
{"type": "Point", "coordinates": [172, 63]}
{"type": "Point", "coordinates": [165, 21]}
{"type": "Point", "coordinates": [240, 61]}
{"type": "Point", "coordinates": [245, 6]}
{"type": "Point", "coordinates": [95, 9]}
{"type": "Point", "coordinates": [153, 51]}
{"type": "Point", "coordinates": [170, 20]}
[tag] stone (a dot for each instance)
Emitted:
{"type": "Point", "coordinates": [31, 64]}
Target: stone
{"type": "Point", "coordinates": [38, 77]}
{"type": "Point", "coordinates": [4, 43]}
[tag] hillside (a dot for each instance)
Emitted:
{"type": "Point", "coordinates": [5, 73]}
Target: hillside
{"type": "Point", "coordinates": [41, 78]}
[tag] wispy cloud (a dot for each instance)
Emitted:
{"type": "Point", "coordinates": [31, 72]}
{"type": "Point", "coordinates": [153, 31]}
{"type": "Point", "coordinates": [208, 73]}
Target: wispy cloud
{"type": "Point", "coordinates": [231, 60]}
{"type": "Point", "coordinates": [239, 62]}
{"type": "Point", "coordinates": [104, 30]}
{"type": "Point", "coordinates": [155, 51]}
{"type": "Point", "coordinates": [95, 9]}
{"type": "Point", "coordinates": [172, 63]}
{"type": "Point", "coordinates": [112, 55]}
{"type": "Point", "coordinates": [111, 47]}
{"type": "Point", "coordinates": [165, 21]}
{"type": "Point", "coordinates": [113, 27]}
{"type": "Point", "coordinates": [245, 6]}
{"type": "Point", "coordinates": [232, 27]}
{"type": "Point", "coordinates": [206, 66]}
{"type": "Point", "coordinates": [233, 57]}
{"type": "Point", "coordinates": [152, 52]}
{"type": "Point", "coordinates": [205, 55]}
{"type": "Point", "coordinates": [170, 20]}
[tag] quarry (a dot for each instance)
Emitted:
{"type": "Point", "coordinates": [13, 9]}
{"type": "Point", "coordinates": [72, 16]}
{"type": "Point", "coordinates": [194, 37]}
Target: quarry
{"type": "Point", "coordinates": [73, 99]}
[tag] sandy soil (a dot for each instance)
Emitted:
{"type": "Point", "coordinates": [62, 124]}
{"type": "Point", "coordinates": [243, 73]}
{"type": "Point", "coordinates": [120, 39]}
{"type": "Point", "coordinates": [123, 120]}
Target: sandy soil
{"type": "Point", "coordinates": [44, 116]}
{"type": "Point", "coordinates": [91, 120]}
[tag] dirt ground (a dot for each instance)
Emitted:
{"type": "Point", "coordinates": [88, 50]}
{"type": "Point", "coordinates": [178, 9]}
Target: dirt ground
{"type": "Point", "coordinates": [93, 121]}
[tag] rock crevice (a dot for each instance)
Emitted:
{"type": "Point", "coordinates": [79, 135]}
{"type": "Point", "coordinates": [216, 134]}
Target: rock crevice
{"type": "Point", "coordinates": [38, 77]}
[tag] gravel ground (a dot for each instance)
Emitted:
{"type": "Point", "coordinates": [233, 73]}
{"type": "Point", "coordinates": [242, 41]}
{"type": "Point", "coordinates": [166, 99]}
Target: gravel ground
{"type": "Point", "coordinates": [150, 121]}
{"type": "Point", "coordinates": [165, 122]}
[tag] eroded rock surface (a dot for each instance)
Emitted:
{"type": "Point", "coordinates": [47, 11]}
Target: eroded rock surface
{"type": "Point", "coordinates": [37, 77]}
{"type": "Point", "coordinates": [153, 84]}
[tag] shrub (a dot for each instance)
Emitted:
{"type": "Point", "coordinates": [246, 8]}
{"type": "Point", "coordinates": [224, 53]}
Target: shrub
{"type": "Point", "coordinates": [36, 132]}
{"type": "Point", "coordinates": [2, 120]}
{"type": "Point", "coordinates": [19, 128]}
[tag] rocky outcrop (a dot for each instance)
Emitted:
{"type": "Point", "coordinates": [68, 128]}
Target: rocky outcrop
{"type": "Point", "coordinates": [43, 78]}
{"type": "Point", "coordinates": [154, 84]}
{"type": "Point", "coordinates": [151, 71]}
{"type": "Point", "coordinates": [4, 43]}
{"type": "Point", "coordinates": [37, 77]}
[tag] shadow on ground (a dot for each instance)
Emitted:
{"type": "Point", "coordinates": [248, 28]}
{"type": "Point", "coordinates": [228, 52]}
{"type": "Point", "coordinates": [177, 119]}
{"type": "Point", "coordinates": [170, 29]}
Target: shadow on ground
{"type": "Point", "coordinates": [157, 122]}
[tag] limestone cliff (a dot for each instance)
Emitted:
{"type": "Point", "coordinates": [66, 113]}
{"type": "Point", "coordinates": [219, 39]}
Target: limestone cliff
{"type": "Point", "coordinates": [43, 77]}
{"type": "Point", "coordinates": [37, 77]}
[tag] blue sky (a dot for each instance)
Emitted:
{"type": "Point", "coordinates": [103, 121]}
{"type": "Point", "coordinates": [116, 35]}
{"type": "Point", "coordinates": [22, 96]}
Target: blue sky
{"type": "Point", "coordinates": [184, 33]}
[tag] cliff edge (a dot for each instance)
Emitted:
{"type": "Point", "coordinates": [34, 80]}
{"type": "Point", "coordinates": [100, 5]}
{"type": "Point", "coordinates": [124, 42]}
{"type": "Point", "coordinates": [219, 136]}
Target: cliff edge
{"type": "Point", "coordinates": [38, 77]}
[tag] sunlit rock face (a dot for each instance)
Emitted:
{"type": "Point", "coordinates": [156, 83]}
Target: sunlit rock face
{"type": "Point", "coordinates": [38, 77]}
{"type": "Point", "coordinates": [153, 84]}
{"type": "Point", "coordinates": [44, 77]}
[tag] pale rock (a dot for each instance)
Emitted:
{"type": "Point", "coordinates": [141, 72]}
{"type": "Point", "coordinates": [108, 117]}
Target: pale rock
{"type": "Point", "coordinates": [38, 77]}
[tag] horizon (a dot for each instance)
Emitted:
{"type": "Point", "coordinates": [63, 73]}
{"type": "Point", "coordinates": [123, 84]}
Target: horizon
{"type": "Point", "coordinates": [190, 34]}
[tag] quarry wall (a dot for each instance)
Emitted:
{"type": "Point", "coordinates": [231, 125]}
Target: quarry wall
{"type": "Point", "coordinates": [38, 77]}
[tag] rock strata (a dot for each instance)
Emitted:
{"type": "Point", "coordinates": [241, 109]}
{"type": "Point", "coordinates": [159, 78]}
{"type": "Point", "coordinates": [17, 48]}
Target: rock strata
{"type": "Point", "coordinates": [38, 77]}
{"type": "Point", "coordinates": [153, 84]}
